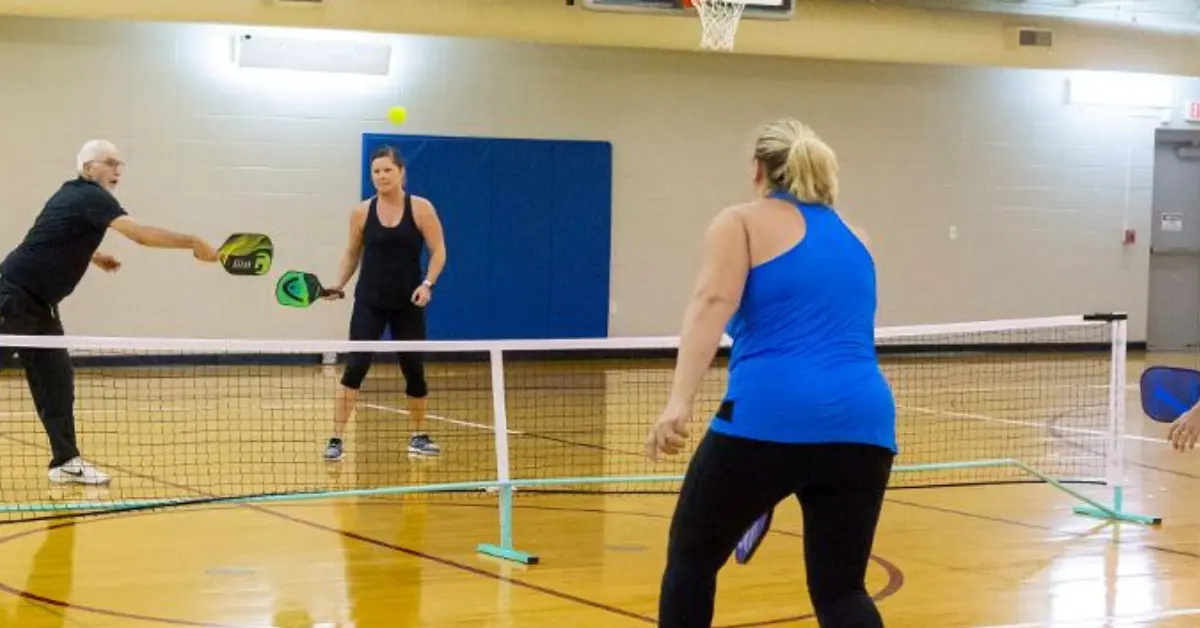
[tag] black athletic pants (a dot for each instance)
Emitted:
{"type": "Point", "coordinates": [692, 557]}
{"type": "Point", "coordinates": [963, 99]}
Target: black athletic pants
{"type": "Point", "coordinates": [731, 481]}
{"type": "Point", "coordinates": [367, 322]}
{"type": "Point", "coordinates": [48, 371]}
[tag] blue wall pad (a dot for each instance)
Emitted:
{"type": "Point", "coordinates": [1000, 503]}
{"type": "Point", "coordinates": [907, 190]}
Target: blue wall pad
{"type": "Point", "coordinates": [528, 227]}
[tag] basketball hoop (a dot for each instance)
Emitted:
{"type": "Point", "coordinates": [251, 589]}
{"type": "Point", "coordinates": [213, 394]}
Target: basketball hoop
{"type": "Point", "coordinates": [718, 21]}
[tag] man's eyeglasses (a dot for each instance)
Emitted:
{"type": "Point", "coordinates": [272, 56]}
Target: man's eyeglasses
{"type": "Point", "coordinates": [111, 162]}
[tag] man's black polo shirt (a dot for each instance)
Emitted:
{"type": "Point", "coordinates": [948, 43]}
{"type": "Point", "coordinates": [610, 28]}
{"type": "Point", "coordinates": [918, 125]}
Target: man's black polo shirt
{"type": "Point", "coordinates": [55, 253]}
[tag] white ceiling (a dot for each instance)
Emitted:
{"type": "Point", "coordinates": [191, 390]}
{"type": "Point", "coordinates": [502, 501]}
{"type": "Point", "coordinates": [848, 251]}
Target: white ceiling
{"type": "Point", "coordinates": [1157, 14]}
{"type": "Point", "coordinates": [948, 32]}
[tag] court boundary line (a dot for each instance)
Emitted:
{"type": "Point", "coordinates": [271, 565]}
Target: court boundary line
{"type": "Point", "coordinates": [492, 429]}
{"type": "Point", "coordinates": [1107, 618]}
{"type": "Point", "coordinates": [984, 417]}
{"type": "Point", "coordinates": [435, 417]}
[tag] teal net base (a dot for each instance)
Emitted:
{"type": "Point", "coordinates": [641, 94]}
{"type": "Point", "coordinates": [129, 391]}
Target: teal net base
{"type": "Point", "coordinates": [1091, 507]}
{"type": "Point", "coordinates": [505, 549]}
{"type": "Point", "coordinates": [1115, 515]}
{"type": "Point", "coordinates": [1116, 512]}
{"type": "Point", "coordinates": [507, 554]}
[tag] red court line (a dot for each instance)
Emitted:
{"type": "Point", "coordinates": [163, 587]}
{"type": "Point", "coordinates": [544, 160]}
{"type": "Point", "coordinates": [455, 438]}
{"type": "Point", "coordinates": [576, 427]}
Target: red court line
{"type": "Point", "coordinates": [894, 584]}
{"type": "Point", "coordinates": [895, 575]}
{"type": "Point", "coordinates": [443, 561]}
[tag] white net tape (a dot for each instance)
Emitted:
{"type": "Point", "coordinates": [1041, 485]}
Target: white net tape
{"type": "Point", "coordinates": [719, 21]}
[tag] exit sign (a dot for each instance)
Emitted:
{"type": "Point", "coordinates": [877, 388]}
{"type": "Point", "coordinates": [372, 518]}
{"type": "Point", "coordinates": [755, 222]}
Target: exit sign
{"type": "Point", "coordinates": [1193, 111]}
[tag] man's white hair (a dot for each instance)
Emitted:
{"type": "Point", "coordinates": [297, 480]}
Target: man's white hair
{"type": "Point", "coordinates": [93, 151]}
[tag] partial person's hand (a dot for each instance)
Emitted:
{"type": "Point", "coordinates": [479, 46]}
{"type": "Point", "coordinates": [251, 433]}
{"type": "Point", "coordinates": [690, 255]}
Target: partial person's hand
{"type": "Point", "coordinates": [1185, 431]}
{"type": "Point", "coordinates": [422, 295]}
{"type": "Point", "coordinates": [106, 262]}
{"type": "Point", "coordinates": [669, 433]}
{"type": "Point", "coordinates": [204, 251]}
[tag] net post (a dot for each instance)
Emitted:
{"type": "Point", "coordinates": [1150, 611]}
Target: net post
{"type": "Point", "coordinates": [1115, 463]}
{"type": "Point", "coordinates": [1117, 413]}
{"type": "Point", "coordinates": [505, 548]}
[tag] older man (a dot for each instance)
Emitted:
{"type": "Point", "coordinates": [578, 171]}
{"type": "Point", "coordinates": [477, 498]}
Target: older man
{"type": "Point", "coordinates": [46, 267]}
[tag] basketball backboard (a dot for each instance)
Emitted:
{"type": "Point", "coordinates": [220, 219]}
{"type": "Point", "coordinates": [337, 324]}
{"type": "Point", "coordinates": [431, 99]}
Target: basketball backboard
{"type": "Point", "coordinates": [755, 9]}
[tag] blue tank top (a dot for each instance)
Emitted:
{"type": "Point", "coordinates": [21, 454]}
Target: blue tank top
{"type": "Point", "coordinates": [803, 367]}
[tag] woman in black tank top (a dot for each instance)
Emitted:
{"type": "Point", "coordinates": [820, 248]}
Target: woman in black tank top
{"type": "Point", "coordinates": [387, 236]}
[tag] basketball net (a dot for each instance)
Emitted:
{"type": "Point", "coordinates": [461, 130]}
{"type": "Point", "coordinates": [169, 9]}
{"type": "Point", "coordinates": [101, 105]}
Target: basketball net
{"type": "Point", "coordinates": [718, 21]}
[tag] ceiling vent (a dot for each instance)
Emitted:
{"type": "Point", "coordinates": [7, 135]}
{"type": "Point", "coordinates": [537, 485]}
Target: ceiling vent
{"type": "Point", "coordinates": [1032, 37]}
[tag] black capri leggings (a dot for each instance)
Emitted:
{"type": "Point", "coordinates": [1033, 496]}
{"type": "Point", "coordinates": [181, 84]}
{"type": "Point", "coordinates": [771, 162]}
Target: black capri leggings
{"type": "Point", "coordinates": [407, 323]}
{"type": "Point", "coordinates": [731, 481]}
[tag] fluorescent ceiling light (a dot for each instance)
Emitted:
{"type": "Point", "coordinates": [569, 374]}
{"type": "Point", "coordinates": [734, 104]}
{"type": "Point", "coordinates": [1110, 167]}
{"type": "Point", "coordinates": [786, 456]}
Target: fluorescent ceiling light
{"type": "Point", "coordinates": [1121, 90]}
{"type": "Point", "coordinates": [312, 55]}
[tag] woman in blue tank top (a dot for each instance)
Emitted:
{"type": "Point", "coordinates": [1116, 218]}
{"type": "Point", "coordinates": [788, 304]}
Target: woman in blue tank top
{"type": "Point", "coordinates": [807, 412]}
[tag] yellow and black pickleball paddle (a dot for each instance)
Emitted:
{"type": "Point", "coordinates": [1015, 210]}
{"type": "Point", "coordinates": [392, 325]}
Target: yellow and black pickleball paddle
{"type": "Point", "coordinates": [247, 254]}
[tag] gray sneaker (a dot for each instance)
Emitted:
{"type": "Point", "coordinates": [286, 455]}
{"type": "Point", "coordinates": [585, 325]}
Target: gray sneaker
{"type": "Point", "coordinates": [422, 445]}
{"type": "Point", "coordinates": [333, 451]}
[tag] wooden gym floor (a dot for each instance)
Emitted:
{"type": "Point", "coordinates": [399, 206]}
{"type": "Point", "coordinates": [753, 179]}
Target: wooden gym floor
{"type": "Point", "coordinates": [988, 556]}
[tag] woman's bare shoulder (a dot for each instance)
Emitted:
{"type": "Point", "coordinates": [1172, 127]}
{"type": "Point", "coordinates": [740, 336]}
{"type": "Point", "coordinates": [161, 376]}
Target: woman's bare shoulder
{"type": "Point", "coordinates": [861, 233]}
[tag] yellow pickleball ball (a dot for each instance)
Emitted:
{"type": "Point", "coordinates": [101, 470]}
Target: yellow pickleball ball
{"type": "Point", "coordinates": [397, 115]}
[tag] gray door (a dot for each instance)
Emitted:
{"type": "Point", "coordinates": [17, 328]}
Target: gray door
{"type": "Point", "coordinates": [1174, 317]}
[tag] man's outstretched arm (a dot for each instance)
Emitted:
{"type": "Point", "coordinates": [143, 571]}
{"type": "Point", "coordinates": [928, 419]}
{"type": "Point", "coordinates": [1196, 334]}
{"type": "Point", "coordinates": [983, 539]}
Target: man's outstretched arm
{"type": "Point", "coordinates": [159, 238]}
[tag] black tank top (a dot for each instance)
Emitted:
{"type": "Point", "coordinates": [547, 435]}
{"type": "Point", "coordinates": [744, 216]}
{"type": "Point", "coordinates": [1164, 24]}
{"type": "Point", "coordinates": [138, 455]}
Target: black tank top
{"type": "Point", "coordinates": [391, 259]}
